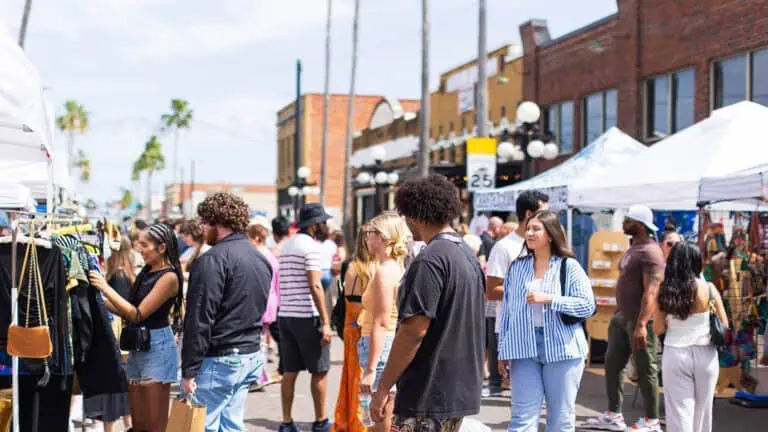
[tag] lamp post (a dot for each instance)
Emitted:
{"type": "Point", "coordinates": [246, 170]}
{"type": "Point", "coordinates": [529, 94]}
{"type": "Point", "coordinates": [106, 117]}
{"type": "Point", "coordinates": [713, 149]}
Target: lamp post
{"type": "Point", "coordinates": [529, 140]}
{"type": "Point", "coordinates": [381, 179]}
{"type": "Point", "coordinates": [301, 189]}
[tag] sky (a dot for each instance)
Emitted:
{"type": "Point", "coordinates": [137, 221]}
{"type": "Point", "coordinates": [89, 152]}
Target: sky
{"type": "Point", "coordinates": [234, 61]}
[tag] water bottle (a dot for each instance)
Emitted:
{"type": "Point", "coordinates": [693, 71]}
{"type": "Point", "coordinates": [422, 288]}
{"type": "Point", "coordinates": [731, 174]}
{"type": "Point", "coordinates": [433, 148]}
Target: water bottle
{"type": "Point", "coordinates": [365, 405]}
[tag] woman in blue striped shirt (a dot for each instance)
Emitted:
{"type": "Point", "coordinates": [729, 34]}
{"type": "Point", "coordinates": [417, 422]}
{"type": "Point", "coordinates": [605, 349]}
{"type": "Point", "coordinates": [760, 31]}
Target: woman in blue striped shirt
{"type": "Point", "coordinates": [546, 355]}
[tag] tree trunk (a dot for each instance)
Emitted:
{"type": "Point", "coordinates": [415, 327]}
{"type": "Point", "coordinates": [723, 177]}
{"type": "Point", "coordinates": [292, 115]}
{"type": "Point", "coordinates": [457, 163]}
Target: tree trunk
{"type": "Point", "coordinates": [424, 117]}
{"type": "Point", "coordinates": [70, 152]}
{"type": "Point", "coordinates": [24, 23]}
{"type": "Point", "coordinates": [149, 196]}
{"type": "Point", "coordinates": [325, 101]}
{"type": "Point", "coordinates": [348, 193]}
{"type": "Point", "coordinates": [481, 109]}
{"type": "Point", "coordinates": [175, 155]}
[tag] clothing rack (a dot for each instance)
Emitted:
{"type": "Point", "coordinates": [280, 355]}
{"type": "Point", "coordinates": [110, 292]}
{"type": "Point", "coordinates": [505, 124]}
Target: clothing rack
{"type": "Point", "coordinates": [19, 218]}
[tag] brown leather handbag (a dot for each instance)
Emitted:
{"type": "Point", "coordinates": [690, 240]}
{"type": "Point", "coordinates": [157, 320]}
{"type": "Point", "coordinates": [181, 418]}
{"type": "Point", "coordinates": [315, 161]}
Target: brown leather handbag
{"type": "Point", "coordinates": [33, 342]}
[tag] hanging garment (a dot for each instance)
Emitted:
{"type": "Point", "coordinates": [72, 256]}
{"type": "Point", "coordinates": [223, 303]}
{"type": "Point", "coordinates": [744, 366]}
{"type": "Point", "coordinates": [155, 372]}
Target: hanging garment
{"type": "Point", "coordinates": [53, 275]}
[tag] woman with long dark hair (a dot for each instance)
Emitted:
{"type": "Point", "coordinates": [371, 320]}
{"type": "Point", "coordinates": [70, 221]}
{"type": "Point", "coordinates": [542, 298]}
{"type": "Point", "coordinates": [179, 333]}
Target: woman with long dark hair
{"type": "Point", "coordinates": [156, 291]}
{"type": "Point", "coordinates": [690, 365]}
{"type": "Point", "coordinates": [545, 353]}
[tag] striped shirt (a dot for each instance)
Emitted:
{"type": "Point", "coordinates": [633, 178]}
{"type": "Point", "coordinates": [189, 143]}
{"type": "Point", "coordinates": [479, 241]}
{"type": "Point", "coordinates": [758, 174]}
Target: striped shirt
{"type": "Point", "coordinates": [517, 336]}
{"type": "Point", "coordinates": [300, 254]}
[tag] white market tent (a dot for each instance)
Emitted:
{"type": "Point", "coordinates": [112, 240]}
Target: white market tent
{"type": "Point", "coordinates": [26, 120]}
{"type": "Point", "coordinates": [749, 185]}
{"type": "Point", "coordinates": [612, 148]}
{"type": "Point", "coordinates": [668, 175]}
{"type": "Point", "coordinates": [15, 196]}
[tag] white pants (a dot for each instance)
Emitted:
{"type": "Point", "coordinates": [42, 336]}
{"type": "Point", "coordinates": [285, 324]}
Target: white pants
{"type": "Point", "coordinates": [690, 375]}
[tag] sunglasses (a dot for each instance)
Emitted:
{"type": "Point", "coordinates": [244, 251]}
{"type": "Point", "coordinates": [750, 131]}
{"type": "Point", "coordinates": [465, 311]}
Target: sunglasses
{"type": "Point", "coordinates": [671, 243]}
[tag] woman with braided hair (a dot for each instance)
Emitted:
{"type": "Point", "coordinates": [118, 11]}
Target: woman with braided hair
{"type": "Point", "coordinates": [156, 291]}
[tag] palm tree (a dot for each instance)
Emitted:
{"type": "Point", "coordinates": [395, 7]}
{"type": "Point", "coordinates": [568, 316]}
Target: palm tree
{"type": "Point", "coordinates": [151, 161]}
{"type": "Point", "coordinates": [84, 165]}
{"type": "Point", "coordinates": [24, 22]}
{"type": "Point", "coordinates": [350, 122]}
{"type": "Point", "coordinates": [424, 117]}
{"type": "Point", "coordinates": [74, 120]}
{"type": "Point", "coordinates": [180, 117]}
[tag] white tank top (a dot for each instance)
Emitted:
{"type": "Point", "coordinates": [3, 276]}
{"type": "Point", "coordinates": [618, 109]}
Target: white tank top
{"type": "Point", "coordinates": [693, 331]}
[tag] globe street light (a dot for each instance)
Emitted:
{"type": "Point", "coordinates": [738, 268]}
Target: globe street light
{"type": "Point", "coordinates": [379, 177]}
{"type": "Point", "coordinates": [529, 141]}
{"type": "Point", "coordinates": [301, 188]}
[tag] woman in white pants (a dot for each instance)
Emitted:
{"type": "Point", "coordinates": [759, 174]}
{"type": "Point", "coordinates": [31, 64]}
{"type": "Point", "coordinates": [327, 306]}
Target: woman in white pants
{"type": "Point", "coordinates": [690, 364]}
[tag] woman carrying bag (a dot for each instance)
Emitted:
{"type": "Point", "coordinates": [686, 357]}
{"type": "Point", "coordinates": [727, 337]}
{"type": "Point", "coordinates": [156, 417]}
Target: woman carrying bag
{"type": "Point", "coordinates": [687, 305]}
{"type": "Point", "coordinates": [541, 333]}
{"type": "Point", "coordinates": [153, 361]}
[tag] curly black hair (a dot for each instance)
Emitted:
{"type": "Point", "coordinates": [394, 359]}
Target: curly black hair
{"type": "Point", "coordinates": [225, 209]}
{"type": "Point", "coordinates": [678, 291]}
{"type": "Point", "coordinates": [433, 200]}
{"type": "Point", "coordinates": [193, 229]}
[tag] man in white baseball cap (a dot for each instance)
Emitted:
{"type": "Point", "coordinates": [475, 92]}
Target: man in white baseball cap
{"type": "Point", "coordinates": [630, 332]}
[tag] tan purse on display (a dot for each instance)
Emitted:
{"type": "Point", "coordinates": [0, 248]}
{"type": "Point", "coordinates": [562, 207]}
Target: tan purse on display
{"type": "Point", "coordinates": [31, 342]}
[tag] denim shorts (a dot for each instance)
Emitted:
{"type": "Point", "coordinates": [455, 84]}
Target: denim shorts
{"type": "Point", "coordinates": [158, 365]}
{"type": "Point", "coordinates": [363, 350]}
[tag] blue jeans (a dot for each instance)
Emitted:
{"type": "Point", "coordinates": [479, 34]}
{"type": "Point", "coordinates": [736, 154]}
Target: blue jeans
{"type": "Point", "coordinates": [534, 381]}
{"type": "Point", "coordinates": [364, 350]}
{"type": "Point", "coordinates": [222, 386]}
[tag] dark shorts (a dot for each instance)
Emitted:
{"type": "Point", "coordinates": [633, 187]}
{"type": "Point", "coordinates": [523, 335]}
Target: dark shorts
{"type": "Point", "coordinates": [426, 424]}
{"type": "Point", "coordinates": [300, 346]}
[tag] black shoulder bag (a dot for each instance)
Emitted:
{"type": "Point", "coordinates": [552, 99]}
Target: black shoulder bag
{"type": "Point", "coordinates": [569, 319]}
{"type": "Point", "coordinates": [718, 332]}
{"type": "Point", "coordinates": [134, 336]}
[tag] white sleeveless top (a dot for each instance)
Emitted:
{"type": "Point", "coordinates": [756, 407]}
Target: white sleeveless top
{"type": "Point", "coordinates": [693, 331]}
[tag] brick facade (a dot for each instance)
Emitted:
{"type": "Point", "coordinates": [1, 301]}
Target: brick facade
{"type": "Point", "coordinates": [644, 39]}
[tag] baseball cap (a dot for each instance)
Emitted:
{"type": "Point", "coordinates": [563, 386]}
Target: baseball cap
{"type": "Point", "coordinates": [642, 214]}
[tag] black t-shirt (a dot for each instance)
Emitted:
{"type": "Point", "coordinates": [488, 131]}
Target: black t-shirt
{"type": "Point", "coordinates": [486, 246]}
{"type": "Point", "coordinates": [445, 283]}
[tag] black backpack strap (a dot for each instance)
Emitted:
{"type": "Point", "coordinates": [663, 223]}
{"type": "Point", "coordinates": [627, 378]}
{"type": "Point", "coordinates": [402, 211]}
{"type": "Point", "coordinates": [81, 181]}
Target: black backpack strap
{"type": "Point", "coordinates": [563, 275]}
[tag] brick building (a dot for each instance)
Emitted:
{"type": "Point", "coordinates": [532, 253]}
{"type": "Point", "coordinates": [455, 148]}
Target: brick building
{"type": "Point", "coordinates": [452, 122]}
{"type": "Point", "coordinates": [312, 138]}
{"type": "Point", "coordinates": [653, 68]}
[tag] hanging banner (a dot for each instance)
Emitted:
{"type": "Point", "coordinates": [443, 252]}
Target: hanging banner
{"type": "Point", "coordinates": [481, 164]}
{"type": "Point", "coordinates": [466, 99]}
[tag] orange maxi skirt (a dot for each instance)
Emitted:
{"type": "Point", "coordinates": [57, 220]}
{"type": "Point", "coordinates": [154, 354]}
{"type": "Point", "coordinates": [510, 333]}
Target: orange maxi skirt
{"type": "Point", "coordinates": [348, 417]}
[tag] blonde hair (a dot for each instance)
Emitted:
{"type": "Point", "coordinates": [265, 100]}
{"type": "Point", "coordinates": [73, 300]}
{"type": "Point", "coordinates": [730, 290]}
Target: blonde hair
{"type": "Point", "coordinates": [363, 262]}
{"type": "Point", "coordinates": [394, 231]}
{"type": "Point", "coordinates": [121, 261]}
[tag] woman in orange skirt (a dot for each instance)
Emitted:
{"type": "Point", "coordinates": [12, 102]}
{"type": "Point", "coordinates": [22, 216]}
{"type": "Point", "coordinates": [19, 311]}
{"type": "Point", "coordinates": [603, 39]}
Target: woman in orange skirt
{"type": "Point", "coordinates": [348, 417]}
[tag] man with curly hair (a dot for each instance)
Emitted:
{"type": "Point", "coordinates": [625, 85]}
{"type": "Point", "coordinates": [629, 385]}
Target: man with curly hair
{"type": "Point", "coordinates": [227, 297]}
{"type": "Point", "coordinates": [438, 352]}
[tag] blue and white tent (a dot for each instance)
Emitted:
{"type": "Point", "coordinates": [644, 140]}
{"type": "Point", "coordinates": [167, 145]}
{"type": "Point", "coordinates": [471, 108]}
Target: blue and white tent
{"type": "Point", "coordinates": [612, 148]}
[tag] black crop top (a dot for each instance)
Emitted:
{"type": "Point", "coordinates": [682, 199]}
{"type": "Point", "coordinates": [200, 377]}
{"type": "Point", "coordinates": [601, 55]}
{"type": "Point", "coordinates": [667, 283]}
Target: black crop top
{"type": "Point", "coordinates": [141, 288]}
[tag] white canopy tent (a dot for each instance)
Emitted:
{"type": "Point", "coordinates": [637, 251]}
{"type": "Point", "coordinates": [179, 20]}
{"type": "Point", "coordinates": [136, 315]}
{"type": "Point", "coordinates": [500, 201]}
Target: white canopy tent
{"type": "Point", "coordinates": [747, 185]}
{"type": "Point", "coordinates": [26, 118]}
{"type": "Point", "coordinates": [15, 196]}
{"type": "Point", "coordinates": [612, 148]}
{"type": "Point", "coordinates": [668, 175]}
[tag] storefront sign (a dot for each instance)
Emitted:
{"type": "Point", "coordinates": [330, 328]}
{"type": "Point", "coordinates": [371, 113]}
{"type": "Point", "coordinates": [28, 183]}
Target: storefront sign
{"type": "Point", "coordinates": [481, 163]}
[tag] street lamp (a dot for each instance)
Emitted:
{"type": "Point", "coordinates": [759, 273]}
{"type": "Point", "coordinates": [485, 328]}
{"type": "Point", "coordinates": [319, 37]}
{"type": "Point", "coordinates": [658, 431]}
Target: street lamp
{"type": "Point", "coordinates": [381, 179]}
{"type": "Point", "coordinates": [528, 140]}
{"type": "Point", "coordinates": [301, 189]}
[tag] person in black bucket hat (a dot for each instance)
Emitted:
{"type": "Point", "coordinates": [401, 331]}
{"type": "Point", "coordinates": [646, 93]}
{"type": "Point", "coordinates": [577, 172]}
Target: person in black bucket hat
{"type": "Point", "coordinates": [312, 214]}
{"type": "Point", "coordinates": [303, 319]}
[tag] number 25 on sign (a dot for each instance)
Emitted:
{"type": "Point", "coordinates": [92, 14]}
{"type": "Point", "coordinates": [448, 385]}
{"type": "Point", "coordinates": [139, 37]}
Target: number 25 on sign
{"type": "Point", "coordinates": [481, 163]}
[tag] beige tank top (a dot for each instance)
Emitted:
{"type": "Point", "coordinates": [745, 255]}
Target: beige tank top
{"type": "Point", "coordinates": [365, 320]}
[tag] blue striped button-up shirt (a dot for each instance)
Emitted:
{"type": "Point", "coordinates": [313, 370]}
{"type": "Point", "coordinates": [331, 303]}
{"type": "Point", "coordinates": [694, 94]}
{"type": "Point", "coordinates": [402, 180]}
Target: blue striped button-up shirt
{"type": "Point", "coordinates": [517, 336]}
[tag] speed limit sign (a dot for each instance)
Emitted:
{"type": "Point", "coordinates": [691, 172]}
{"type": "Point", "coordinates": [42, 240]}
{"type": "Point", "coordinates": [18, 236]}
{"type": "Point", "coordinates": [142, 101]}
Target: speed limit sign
{"type": "Point", "coordinates": [481, 164]}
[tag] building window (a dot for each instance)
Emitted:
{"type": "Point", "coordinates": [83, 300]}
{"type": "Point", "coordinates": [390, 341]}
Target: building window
{"type": "Point", "coordinates": [730, 81]}
{"type": "Point", "coordinates": [503, 111]}
{"type": "Point", "coordinates": [600, 113]}
{"type": "Point", "coordinates": [463, 122]}
{"type": "Point", "coordinates": [440, 130]}
{"type": "Point", "coordinates": [450, 127]}
{"type": "Point", "coordinates": [669, 103]}
{"type": "Point", "coordinates": [759, 91]}
{"type": "Point", "coordinates": [558, 119]}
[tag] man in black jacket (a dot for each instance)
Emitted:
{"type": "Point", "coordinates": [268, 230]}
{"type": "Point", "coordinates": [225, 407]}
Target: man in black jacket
{"type": "Point", "coordinates": [226, 299]}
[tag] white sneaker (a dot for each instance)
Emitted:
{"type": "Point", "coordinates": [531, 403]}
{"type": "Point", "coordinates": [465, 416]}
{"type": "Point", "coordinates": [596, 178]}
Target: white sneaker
{"type": "Point", "coordinates": [609, 421]}
{"type": "Point", "coordinates": [646, 425]}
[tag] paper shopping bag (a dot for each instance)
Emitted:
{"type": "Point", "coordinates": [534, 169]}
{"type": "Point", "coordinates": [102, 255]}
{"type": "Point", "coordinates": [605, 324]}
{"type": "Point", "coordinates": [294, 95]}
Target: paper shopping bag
{"type": "Point", "coordinates": [186, 417]}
